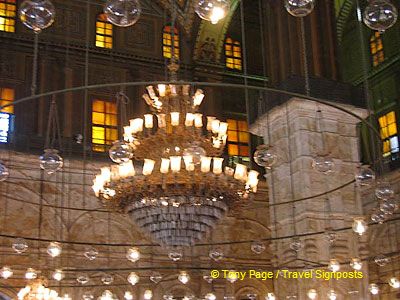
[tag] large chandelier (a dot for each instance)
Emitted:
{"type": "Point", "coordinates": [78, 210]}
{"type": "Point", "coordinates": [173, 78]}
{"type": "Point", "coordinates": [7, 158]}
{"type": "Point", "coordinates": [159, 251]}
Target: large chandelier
{"type": "Point", "coordinates": [36, 290]}
{"type": "Point", "coordinates": [181, 190]}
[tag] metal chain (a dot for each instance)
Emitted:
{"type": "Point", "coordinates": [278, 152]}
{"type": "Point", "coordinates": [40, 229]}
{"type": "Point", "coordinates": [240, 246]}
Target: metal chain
{"type": "Point", "coordinates": [305, 60]}
{"type": "Point", "coordinates": [35, 64]}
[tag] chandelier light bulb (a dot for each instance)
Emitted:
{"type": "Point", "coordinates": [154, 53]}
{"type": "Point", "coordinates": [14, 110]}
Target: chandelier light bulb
{"type": "Point", "coordinates": [133, 278]}
{"type": "Point", "coordinates": [212, 10]}
{"type": "Point", "coordinates": [51, 161]}
{"type": "Point", "coordinates": [334, 265]}
{"type": "Point", "coordinates": [106, 295]}
{"type": "Point", "coordinates": [4, 173]}
{"type": "Point", "coordinates": [91, 253]}
{"type": "Point", "coordinates": [359, 225]}
{"type": "Point", "coordinates": [332, 295]}
{"type": "Point", "coordinates": [195, 151]}
{"type": "Point", "coordinates": [58, 275]}
{"type": "Point", "coordinates": [270, 296]}
{"type": "Point", "coordinates": [210, 296]}
{"type": "Point", "coordinates": [133, 254]}
{"type": "Point", "coordinates": [37, 14]}
{"type": "Point", "coordinates": [380, 15]}
{"type": "Point", "coordinates": [122, 13]}
{"type": "Point", "coordinates": [87, 296]}
{"type": "Point", "coordinates": [20, 245]}
{"type": "Point", "coordinates": [175, 255]}
{"type": "Point", "coordinates": [183, 277]}
{"type": "Point", "coordinates": [373, 289]}
{"type": "Point", "coordinates": [356, 264]}
{"type": "Point", "coordinates": [312, 294]}
{"type": "Point", "coordinates": [30, 274]}
{"type": "Point", "coordinates": [148, 295]}
{"type": "Point", "coordinates": [107, 279]}
{"type": "Point", "coordinates": [232, 276]}
{"type": "Point", "coordinates": [82, 279]}
{"type": "Point", "coordinates": [155, 277]}
{"type": "Point", "coordinates": [128, 295]}
{"type": "Point", "coordinates": [216, 254]}
{"type": "Point", "coordinates": [299, 8]}
{"type": "Point", "coordinates": [54, 249]}
{"type": "Point", "coordinates": [6, 272]}
{"type": "Point", "coordinates": [394, 282]}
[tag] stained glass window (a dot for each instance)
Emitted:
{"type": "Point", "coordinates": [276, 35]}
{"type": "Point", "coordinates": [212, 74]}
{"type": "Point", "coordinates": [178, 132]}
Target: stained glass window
{"type": "Point", "coordinates": [238, 140]}
{"type": "Point", "coordinates": [233, 54]}
{"type": "Point", "coordinates": [8, 10]}
{"type": "Point", "coordinates": [104, 124]}
{"type": "Point", "coordinates": [167, 42]}
{"type": "Point", "coordinates": [104, 32]}
{"type": "Point", "coordinates": [389, 134]}
{"type": "Point", "coordinates": [6, 114]}
{"type": "Point", "coordinates": [376, 47]}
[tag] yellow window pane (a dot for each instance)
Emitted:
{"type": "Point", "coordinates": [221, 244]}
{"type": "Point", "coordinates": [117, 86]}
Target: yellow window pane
{"type": "Point", "coordinates": [232, 124]}
{"type": "Point", "coordinates": [98, 118]}
{"type": "Point", "coordinates": [243, 137]}
{"type": "Point", "coordinates": [111, 134]}
{"type": "Point", "coordinates": [2, 6]}
{"type": "Point", "coordinates": [233, 149]}
{"type": "Point", "coordinates": [100, 30]}
{"type": "Point", "coordinates": [229, 41]}
{"type": "Point", "coordinates": [386, 148]}
{"type": "Point", "coordinates": [242, 126]}
{"type": "Point", "coordinates": [111, 120]}
{"type": "Point", "coordinates": [244, 150]}
{"type": "Point", "coordinates": [232, 136]}
{"type": "Point", "coordinates": [108, 40]}
{"type": "Point", "coordinates": [111, 108]}
{"type": "Point", "coordinates": [392, 129]}
{"type": "Point", "coordinates": [108, 32]}
{"type": "Point", "coordinates": [98, 148]}
{"type": "Point", "coordinates": [391, 117]}
{"type": "Point", "coordinates": [98, 106]}
{"type": "Point", "coordinates": [100, 38]}
{"type": "Point", "coordinates": [98, 133]}
{"type": "Point", "coordinates": [7, 94]}
{"type": "Point", "coordinates": [100, 44]}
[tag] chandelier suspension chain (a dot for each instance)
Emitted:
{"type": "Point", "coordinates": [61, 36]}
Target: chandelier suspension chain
{"type": "Point", "coordinates": [35, 63]}
{"type": "Point", "coordinates": [305, 60]}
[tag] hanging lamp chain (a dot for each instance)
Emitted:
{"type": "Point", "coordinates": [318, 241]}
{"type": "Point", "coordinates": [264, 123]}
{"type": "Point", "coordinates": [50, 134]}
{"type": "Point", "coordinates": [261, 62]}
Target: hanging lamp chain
{"type": "Point", "coordinates": [53, 127]}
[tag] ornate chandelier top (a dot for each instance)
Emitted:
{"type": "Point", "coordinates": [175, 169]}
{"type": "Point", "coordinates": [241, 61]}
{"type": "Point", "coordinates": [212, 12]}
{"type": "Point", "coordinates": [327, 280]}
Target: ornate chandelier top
{"type": "Point", "coordinates": [181, 190]}
{"type": "Point", "coordinates": [36, 289]}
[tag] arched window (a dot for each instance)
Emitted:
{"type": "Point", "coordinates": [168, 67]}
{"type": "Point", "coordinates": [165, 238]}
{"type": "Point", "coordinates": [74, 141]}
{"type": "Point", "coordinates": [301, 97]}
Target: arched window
{"type": "Point", "coordinates": [376, 47]}
{"type": "Point", "coordinates": [8, 10]}
{"type": "Point", "coordinates": [389, 134]}
{"type": "Point", "coordinates": [233, 54]}
{"type": "Point", "coordinates": [104, 32]}
{"type": "Point", "coordinates": [238, 141]}
{"type": "Point", "coordinates": [104, 124]}
{"type": "Point", "coordinates": [167, 42]}
{"type": "Point", "coordinates": [7, 96]}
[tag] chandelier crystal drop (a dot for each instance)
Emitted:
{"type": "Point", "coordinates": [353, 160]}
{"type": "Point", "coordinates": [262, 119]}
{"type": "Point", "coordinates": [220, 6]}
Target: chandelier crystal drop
{"type": "Point", "coordinates": [133, 254]}
{"type": "Point", "coordinates": [394, 282]}
{"type": "Point", "coordinates": [270, 296]}
{"type": "Point", "coordinates": [120, 152]}
{"type": "Point", "coordinates": [380, 15]}
{"type": "Point", "coordinates": [30, 274]}
{"type": "Point", "coordinates": [356, 264]}
{"type": "Point", "coordinates": [108, 295]}
{"type": "Point", "coordinates": [122, 13]}
{"type": "Point", "coordinates": [183, 277]}
{"type": "Point", "coordinates": [384, 190]}
{"type": "Point", "coordinates": [20, 245]}
{"type": "Point", "coordinates": [365, 176]}
{"type": "Point", "coordinates": [382, 260]}
{"type": "Point", "coordinates": [388, 206]}
{"type": "Point", "coordinates": [212, 10]}
{"type": "Point", "coordinates": [378, 216]}
{"type": "Point", "coordinates": [133, 278]}
{"type": "Point", "coordinates": [37, 14]}
{"type": "Point", "coordinates": [258, 247]}
{"type": "Point", "coordinates": [4, 173]}
{"type": "Point", "coordinates": [208, 278]}
{"type": "Point", "coordinates": [216, 254]}
{"type": "Point", "coordinates": [155, 277]}
{"type": "Point", "coordinates": [54, 249]}
{"type": "Point", "coordinates": [87, 296]}
{"type": "Point", "coordinates": [299, 8]}
{"type": "Point", "coordinates": [171, 196]}
{"type": "Point", "coordinates": [51, 161]}
{"type": "Point", "coordinates": [58, 275]}
{"type": "Point", "coordinates": [82, 279]}
{"type": "Point", "coordinates": [332, 295]}
{"type": "Point", "coordinates": [175, 254]}
{"type": "Point", "coordinates": [359, 225]}
{"type": "Point", "coordinates": [91, 253]}
{"type": "Point", "coordinates": [168, 296]}
{"type": "Point", "coordinates": [334, 265]}
{"type": "Point", "coordinates": [232, 276]}
{"type": "Point", "coordinates": [148, 295]}
{"type": "Point", "coordinates": [107, 279]}
{"type": "Point", "coordinates": [265, 156]}
{"type": "Point", "coordinates": [210, 296]}
{"type": "Point", "coordinates": [6, 272]}
{"type": "Point", "coordinates": [37, 290]}
{"type": "Point", "coordinates": [323, 164]}
{"type": "Point", "coordinates": [312, 294]}
{"type": "Point", "coordinates": [296, 244]}
{"type": "Point", "coordinates": [252, 296]}
{"type": "Point", "coordinates": [128, 295]}
{"type": "Point", "coordinates": [373, 289]}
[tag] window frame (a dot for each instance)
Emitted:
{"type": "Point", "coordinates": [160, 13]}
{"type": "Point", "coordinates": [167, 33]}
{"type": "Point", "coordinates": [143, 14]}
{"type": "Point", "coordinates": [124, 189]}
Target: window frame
{"type": "Point", "coordinates": [241, 157]}
{"type": "Point", "coordinates": [9, 21]}
{"type": "Point", "coordinates": [102, 34]}
{"type": "Point", "coordinates": [376, 49]}
{"type": "Point", "coordinates": [231, 48]}
{"type": "Point", "coordinates": [165, 45]}
{"type": "Point", "coordinates": [389, 154]}
{"type": "Point", "coordinates": [103, 147]}
{"type": "Point", "coordinates": [9, 111]}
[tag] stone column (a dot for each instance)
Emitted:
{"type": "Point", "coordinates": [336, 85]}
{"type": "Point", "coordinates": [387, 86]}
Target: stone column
{"type": "Point", "coordinates": [296, 137]}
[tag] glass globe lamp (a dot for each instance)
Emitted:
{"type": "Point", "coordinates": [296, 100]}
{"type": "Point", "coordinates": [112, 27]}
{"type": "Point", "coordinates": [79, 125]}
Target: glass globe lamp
{"type": "Point", "coordinates": [356, 264]}
{"type": "Point", "coordinates": [212, 10]}
{"type": "Point", "coordinates": [120, 152]}
{"type": "Point", "coordinates": [365, 176]}
{"type": "Point", "coordinates": [133, 278]}
{"type": "Point", "coordinates": [373, 289]}
{"type": "Point", "coordinates": [155, 277]}
{"type": "Point", "coordinates": [323, 164]}
{"type": "Point", "coordinates": [20, 245]}
{"type": "Point", "coordinates": [378, 216]}
{"type": "Point", "coordinates": [91, 253]}
{"type": "Point", "coordinates": [299, 8]}
{"type": "Point", "coordinates": [394, 283]}
{"type": "Point", "coordinates": [270, 296]}
{"type": "Point", "coordinates": [296, 244]}
{"type": "Point", "coordinates": [168, 296]}
{"type": "Point", "coordinates": [82, 279]}
{"type": "Point", "coordinates": [87, 296]}
{"type": "Point", "coordinates": [312, 294]}
{"type": "Point", "coordinates": [4, 173]}
{"type": "Point", "coordinates": [258, 247]}
{"type": "Point", "coordinates": [30, 274]}
{"type": "Point", "coordinates": [54, 249]}
{"type": "Point", "coordinates": [210, 296]}
{"type": "Point", "coordinates": [175, 255]}
{"type": "Point", "coordinates": [332, 295]}
{"type": "Point", "coordinates": [58, 275]}
{"type": "Point", "coordinates": [380, 15]}
{"type": "Point", "coordinates": [388, 206]}
{"type": "Point", "coordinates": [183, 277]}
{"type": "Point", "coordinates": [37, 14]}
{"type": "Point", "coordinates": [334, 265]}
{"type": "Point", "coordinates": [51, 161]}
{"type": "Point", "coordinates": [133, 254]}
{"type": "Point", "coordinates": [122, 13]}
{"type": "Point", "coordinates": [384, 190]}
{"type": "Point", "coordinates": [265, 156]}
{"type": "Point", "coordinates": [107, 279]}
{"type": "Point", "coordinates": [216, 254]}
{"type": "Point", "coordinates": [359, 226]}
{"type": "Point", "coordinates": [128, 295]}
{"type": "Point", "coordinates": [196, 152]}
{"type": "Point", "coordinates": [381, 260]}
{"type": "Point", "coordinates": [6, 272]}
{"type": "Point", "coordinates": [148, 295]}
